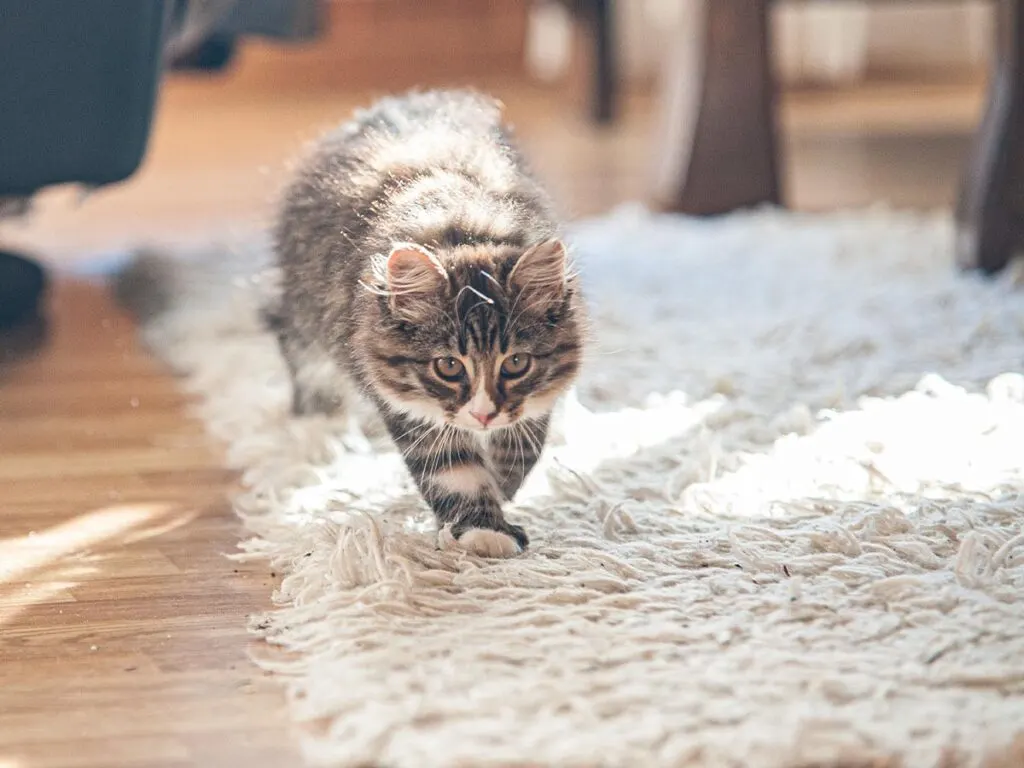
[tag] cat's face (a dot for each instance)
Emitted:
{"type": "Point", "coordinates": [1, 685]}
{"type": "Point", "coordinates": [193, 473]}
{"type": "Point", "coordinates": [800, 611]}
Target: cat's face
{"type": "Point", "coordinates": [477, 338]}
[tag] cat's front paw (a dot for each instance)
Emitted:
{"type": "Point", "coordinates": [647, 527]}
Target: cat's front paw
{"type": "Point", "coordinates": [485, 542]}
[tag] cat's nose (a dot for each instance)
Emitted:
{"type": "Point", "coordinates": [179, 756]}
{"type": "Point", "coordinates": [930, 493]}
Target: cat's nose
{"type": "Point", "coordinates": [484, 417]}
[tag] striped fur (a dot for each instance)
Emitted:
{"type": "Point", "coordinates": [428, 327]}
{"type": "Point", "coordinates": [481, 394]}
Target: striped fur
{"type": "Point", "coordinates": [420, 260]}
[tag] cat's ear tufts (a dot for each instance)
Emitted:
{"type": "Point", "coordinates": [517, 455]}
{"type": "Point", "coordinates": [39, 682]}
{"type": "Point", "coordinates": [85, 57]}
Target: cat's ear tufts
{"type": "Point", "coordinates": [414, 278]}
{"type": "Point", "coordinates": [543, 271]}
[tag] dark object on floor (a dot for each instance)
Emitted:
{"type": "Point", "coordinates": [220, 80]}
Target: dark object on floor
{"type": "Point", "coordinates": [606, 69]}
{"type": "Point", "coordinates": [79, 84]}
{"type": "Point", "coordinates": [22, 284]}
{"type": "Point", "coordinates": [721, 137]}
{"type": "Point", "coordinates": [721, 100]}
{"type": "Point", "coordinates": [990, 210]}
{"type": "Point", "coordinates": [76, 101]}
{"type": "Point", "coordinates": [211, 55]}
{"type": "Point", "coordinates": [78, 90]}
{"type": "Point", "coordinates": [204, 36]}
{"type": "Point", "coordinates": [597, 19]}
{"type": "Point", "coordinates": [22, 342]}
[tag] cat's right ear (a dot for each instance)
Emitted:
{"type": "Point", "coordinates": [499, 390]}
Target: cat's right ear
{"type": "Point", "coordinates": [414, 279]}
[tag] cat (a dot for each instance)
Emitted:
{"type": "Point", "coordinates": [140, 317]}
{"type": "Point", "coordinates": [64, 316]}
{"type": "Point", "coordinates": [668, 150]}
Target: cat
{"type": "Point", "coordinates": [420, 257]}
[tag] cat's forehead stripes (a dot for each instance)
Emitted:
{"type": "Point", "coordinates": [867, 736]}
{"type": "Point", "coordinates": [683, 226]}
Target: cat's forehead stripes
{"type": "Point", "coordinates": [481, 309]}
{"type": "Point", "coordinates": [481, 331]}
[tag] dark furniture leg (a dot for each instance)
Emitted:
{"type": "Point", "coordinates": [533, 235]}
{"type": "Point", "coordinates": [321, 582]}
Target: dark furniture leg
{"type": "Point", "coordinates": [719, 146]}
{"type": "Point", "coordinates": [77, 92]}
{"type": "Point", "coordinates": [22, 283]}
{"type": "Point", "coordinates": [990, 211]}
{"type": "Point", "coordinates": [595, 22]}
{"type": "Point", "coordinates": [602, 20]}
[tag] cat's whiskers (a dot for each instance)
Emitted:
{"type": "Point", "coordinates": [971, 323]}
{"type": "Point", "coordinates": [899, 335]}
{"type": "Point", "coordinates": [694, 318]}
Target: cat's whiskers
{"type": "Point", "coordinates": [512, 310]}
{"type": "Point", "coordinates": [415, 425]}
{"type": "Point", "coordinates": [431, 429]}
{"type": "Point", "coordinates": [436, 455]}
{"type": "Point", "coordinates": [529, 435]}
{"type": "Point", "coordinates": [517, 445]}
{"type": "Point", "coordinates": [528, 308]}
{"type": "Point", "coordinates": [487, 299]}
{"type": "Point", "coordinates": [447, 448]}
{"type": "Point", "coordinates": [522, 446]}
{"type": "Point", "coordinates": [484, 300]}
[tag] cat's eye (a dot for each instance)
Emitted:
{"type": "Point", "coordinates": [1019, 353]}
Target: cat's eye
{"type": "Point", "coordinates": [449, 368]}
{"type": "Point", "coordinates": [515, 366]}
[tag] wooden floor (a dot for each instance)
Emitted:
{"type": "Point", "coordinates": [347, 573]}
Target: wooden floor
{"type": "Point", "coordinates": [122, 626]}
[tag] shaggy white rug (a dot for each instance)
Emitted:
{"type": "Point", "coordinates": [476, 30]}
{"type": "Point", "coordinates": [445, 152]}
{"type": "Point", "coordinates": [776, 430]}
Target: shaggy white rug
{"type": "Point", "coordinates": [780, 523]}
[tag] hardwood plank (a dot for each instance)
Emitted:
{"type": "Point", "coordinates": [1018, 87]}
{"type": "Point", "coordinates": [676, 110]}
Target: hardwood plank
{"type": "Point", "coordinates": [122, 623]}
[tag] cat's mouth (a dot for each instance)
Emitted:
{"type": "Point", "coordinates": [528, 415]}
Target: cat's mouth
{"type": "Point", "coordinates": [483, 426]}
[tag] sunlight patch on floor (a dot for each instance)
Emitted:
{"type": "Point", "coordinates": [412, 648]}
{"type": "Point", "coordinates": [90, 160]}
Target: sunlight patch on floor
{"type": "Point", "coordinates": [43, 567]}
{"type": "Point", "coordinates": [24, 554]}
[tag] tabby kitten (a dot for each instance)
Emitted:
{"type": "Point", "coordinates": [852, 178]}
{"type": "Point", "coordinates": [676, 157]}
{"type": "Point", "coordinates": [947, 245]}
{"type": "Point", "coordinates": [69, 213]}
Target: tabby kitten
{"type": "Point", "coordinates": [420, 259]}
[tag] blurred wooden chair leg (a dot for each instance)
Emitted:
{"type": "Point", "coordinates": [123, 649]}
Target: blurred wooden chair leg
{"type": "Point", "coordinates": [718, 149]}
{"type": "Point", "coordinates": [605, 85]}
{"type": "Point", "coordinates": [990, 211]}
{"type": "Point", "coordinates": [595, 34]}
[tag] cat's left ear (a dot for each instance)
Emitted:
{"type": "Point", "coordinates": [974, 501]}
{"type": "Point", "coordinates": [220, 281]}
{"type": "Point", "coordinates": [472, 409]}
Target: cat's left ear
{"type": "Point", "coordinates": [414, 279]}
{"type": "Point", "coordinates": [542, 270]}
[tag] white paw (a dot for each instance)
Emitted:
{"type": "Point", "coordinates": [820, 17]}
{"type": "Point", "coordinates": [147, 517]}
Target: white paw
{"type": "Point", "coordinates": [487, 543]}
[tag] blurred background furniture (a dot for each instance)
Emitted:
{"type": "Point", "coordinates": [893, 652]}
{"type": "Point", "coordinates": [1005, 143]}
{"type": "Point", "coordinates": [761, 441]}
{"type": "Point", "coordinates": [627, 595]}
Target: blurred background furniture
{"type": "Point", "coordinates": [720, 133]}
{"type": "Point", "coordinates": [79, 87]}
{"type": "Point", "coordinates": [597, 19]}
{"type": "Point", "coordinates": [76, 99]}
{"type": "Point", "coordinates": [81, 79]}
{"type": "Point", "coordinates": [726, 60]}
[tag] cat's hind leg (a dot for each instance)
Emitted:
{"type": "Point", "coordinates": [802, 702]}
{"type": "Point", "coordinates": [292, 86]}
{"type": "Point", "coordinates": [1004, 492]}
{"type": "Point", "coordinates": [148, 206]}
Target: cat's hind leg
{"type": "Point", "coordinates": [318, 385]}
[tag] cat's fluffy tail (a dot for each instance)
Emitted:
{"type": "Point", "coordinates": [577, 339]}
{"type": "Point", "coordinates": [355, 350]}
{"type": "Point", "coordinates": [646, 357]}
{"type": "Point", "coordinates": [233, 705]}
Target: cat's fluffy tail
{"type": "Point", "coordinates": [210, 293]}
{"type": "Point", "coordinates": [147, 285]}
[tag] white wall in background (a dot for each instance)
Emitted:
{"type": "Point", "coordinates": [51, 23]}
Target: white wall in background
{"type": "Point", "coordinates": [821, 42]}
{"type": "Point", "coordinates": [824, 42]}
{"type": "Point", "coordinates": [548, 41]}
{"type": "Point", "coordinates": [940, 36]}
